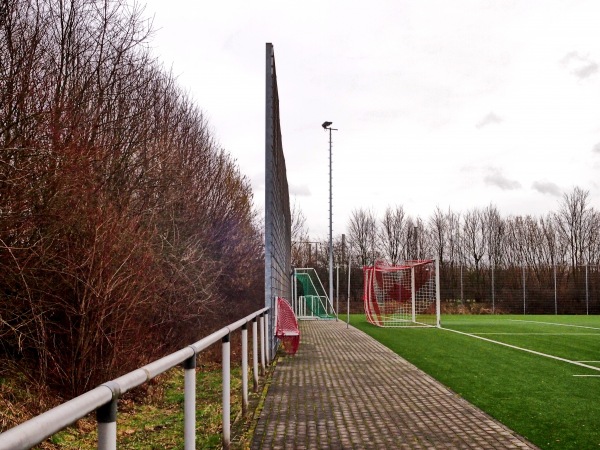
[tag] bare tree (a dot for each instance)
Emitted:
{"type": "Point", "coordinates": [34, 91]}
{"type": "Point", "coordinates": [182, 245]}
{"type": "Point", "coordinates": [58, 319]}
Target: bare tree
{"type": "Point", "coordinates": [455, 251]}
{"type": "Point", "coordinates": [495, 234]}
{"type": "Point", "coordinates": [362, 235]}
{"type": "Point", "coordinates": [391, 231]}
{"type": "Point", "coordinates": [438, 229]}
{"type": "Point", "coordinates": [474, 237]}
{"type": "Point", "coordinates": [301, 247]}
{"type": "Point", "coordinates": [573, 220]}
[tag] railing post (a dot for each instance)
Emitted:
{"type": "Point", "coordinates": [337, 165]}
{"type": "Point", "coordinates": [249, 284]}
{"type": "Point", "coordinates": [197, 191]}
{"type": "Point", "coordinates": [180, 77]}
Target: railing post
{"type": "Point", "coordinates": [107, 425]}
{"type": "Point", "coordinates": [244, 369]}
{"type": "Point", "coordinates": [254, 355]}
{"type": "Point", "coordinates": [226, 393]}
{"type": "Point", "coordinates": [262, 343]}
{"type": "Point", "coordinates": [189, 403]}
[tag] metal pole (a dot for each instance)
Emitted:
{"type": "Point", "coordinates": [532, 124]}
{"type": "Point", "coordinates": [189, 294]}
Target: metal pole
{"type": "Point", "coordinates": [330, 224]}
{"type": "Point", "coordinates": [587, 294]}
{"type": "Point", "coordinates": [524, 295]}
{"type": "Point", "coordinates": [555, 293]}
{"type": "Point", "coordinates": [337, 292]}
{"type": "Point", "coordinates": [255, 354]}
{"type": "Point", "coordinates": [437, 294]}
{"type": "Point", "coordinates": [107, 425]}
{"type": "Point", "coordinates": [493, 293]}
{"type": "Point", "coordinates": [348, 299]}
{"type": "Point", "coordinates": [226, 393]}
{"type": "Point", "coordinates": [295, 293]}
{"type": "Point", "coordinates": [413, 294]}
{"type": "Point", "coordinates": [244, 369]}
{"type": "Point", "coordinates": [189, 403]}
{"type": "Point", "coordinates": [462, 292]}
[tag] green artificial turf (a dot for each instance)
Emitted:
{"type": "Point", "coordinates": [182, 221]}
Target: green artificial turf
{"type": "Point", "coordinates": [538, 397]}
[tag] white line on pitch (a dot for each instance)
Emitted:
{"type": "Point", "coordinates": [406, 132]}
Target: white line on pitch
{"type": "Point", "coordinates": [542, 334]}
{"type": "Point", "coordinates": [546, 355]}
{"type": "Point", "coordinates": [553, 323]}
{"type": "Point", "coordinates": [586, 375]}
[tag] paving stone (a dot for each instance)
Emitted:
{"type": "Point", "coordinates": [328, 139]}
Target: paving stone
{"type": "Point", "coordinates": [345, 390]}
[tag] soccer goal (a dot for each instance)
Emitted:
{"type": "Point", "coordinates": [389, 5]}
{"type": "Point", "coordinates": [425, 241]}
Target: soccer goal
{"type": "Point", "coordinates": [402, 295]}
{"type": "Point", "coordinates": [309, 299]}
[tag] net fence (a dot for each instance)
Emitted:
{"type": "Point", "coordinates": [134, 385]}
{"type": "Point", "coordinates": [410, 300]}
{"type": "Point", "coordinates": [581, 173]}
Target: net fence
{"type": "Point", "coordinates": [543, 289]}
{"type": "Point", "coordinates": [277, 204]}
{"type": "Point", "coordinates": [538, 289]}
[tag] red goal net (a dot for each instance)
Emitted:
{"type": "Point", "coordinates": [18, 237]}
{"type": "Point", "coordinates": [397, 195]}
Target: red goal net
{"type": "Point", "coordinates": [402, 295]}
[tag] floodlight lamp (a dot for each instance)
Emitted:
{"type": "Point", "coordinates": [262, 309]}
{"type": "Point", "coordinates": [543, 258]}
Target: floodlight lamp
{"type": "Point", "coordinates": [326, 124]}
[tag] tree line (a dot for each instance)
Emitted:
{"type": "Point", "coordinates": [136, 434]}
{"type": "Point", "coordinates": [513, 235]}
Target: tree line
{"type": "Point", "coordinates": [474, 247]}
{"type": "Point", "coordinates": [477, 238]}
{"type": "Point", "coordinates": [125, 228]}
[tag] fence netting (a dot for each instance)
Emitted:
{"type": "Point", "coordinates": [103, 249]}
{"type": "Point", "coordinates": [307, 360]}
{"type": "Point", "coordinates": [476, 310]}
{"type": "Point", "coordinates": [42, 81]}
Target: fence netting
{"type": "Point", "coordinates": [277, 204]}
{"type": "Point", "coordinates": [485, 290]}
{"type": "Point", "coordinates": [522, 289]}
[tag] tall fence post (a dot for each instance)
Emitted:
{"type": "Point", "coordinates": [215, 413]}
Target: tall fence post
{"type": "Point", "coordinates": [524, 290]}
{"type": "Point", "coordinates": [189, 403]}
{"type": "Point", "coordinates": [337, 292]}
{"type": "Point", "coordinates": [348, 299]}
{"type": "Point", "coordinates": [107, 425]}
{"type": "Point", "coordinates": [437, 293]}
{"type": "Point", "coordinates": [413, 295]}
{"type": "Point", "coordinates": [493, 293]}
{"type": "Point", "coordinates": [587, 294]}
{"type": "Point", "coordinates": [244, 369]}
{"type": "Point", "coordinates": [254, 355]}
{"type": "Point", "coordinates": [462, 292]}
{"type": "Point", "coordinates": [226, 392]}
{"type": "Point", "coordinates": [555, 293]}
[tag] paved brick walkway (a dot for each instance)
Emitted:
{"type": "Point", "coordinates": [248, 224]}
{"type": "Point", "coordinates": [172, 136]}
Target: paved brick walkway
{"type": "Point", "coordinates": [345, 390]}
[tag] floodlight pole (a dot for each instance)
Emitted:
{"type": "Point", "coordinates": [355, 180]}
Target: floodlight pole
{"type": "Point", "coordinates": [327, 126]}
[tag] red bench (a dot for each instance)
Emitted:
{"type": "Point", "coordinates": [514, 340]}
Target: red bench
{"type": "Point", "coordinates": [286, 327]}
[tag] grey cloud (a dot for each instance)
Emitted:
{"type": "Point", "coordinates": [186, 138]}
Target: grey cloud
{"type": "Point", "coordinates": [580, 65]}
{"type": "Point", "coordinates": [300, 190]}
{"type": "Point", "coordinates": [489, 119]}
{"type": "Point", "coordinates": [546, 187]}
{"type": "Point", "coordinates": [383, 114]}
{"type": "Point", "coordinates": [496, 178]}
{"type": "Point", "coordinates": [596, 148]}
{"type": "Point", "coordinates": [257, 182]}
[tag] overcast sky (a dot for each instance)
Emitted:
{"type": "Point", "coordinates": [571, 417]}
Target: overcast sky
{"type": "Point", "coordinates": [438, 103]}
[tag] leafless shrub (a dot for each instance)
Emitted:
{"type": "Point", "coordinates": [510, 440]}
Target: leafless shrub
{"type": "Point", "coordinates": [123, 225]}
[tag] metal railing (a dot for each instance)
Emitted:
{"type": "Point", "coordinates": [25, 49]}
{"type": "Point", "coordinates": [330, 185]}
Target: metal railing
{"type": "Point", "coordinates": [104, 398]}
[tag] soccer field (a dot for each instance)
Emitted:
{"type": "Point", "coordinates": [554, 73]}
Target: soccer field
{"type": "Point", "coordinates": [539, 375]}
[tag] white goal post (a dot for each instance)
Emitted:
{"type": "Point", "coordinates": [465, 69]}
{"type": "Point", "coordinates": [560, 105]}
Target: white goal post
{"type": "Point", "coordinates": [403, 295]}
